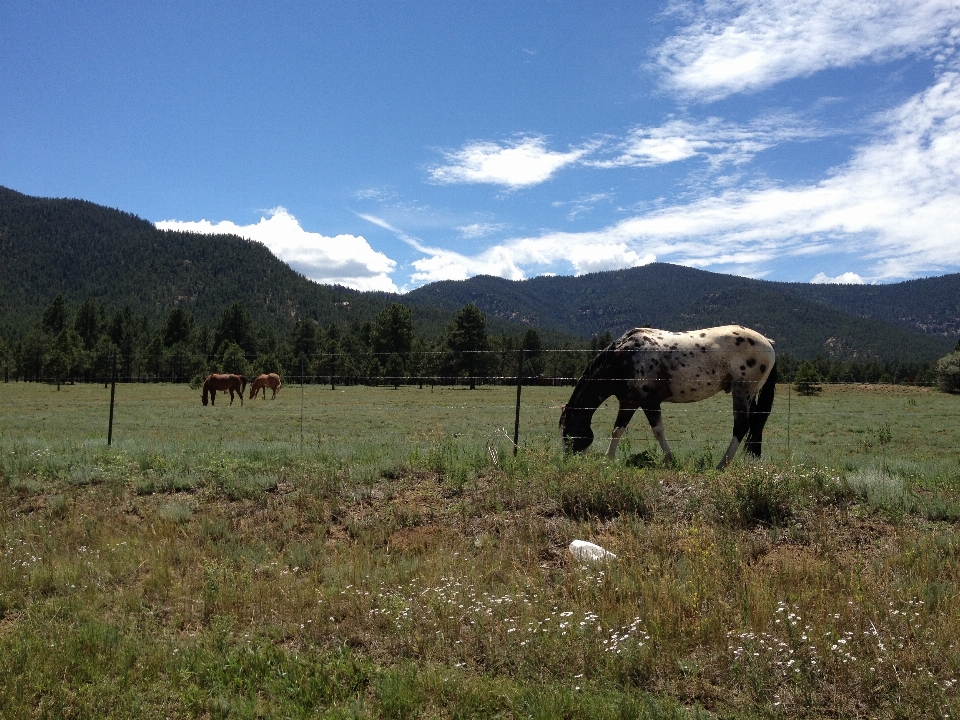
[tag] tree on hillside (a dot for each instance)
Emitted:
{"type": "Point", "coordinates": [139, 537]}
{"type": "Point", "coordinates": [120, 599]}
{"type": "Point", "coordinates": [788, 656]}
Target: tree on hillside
{"type": "Point", "coordinates": [55, 316]}
{"type": "Point", "coordinates": [233, 359]}
{"type": "Point", "coordinates": [304, 340]}
{"type": "Point", "coordinates": [178, 327]}
{"type": "Point", "coordinates": [467, 339]}
{"type": "Point", "coordinates": [63, 357]}
{"type": "Point", "coordinates": [532, 353]}
{"type": "Point", "coordinates": [6, 359]}
{"type": "Point", "coordinates": [392, 333]}
{"type": "Point", "coordinates": [123, 332]}
{"type": "Point", "coordinates": [88, 323]}
{"type": "Point", "coordinates": [806, 379]}
{"type": "Point", "coordinates": [33, 349]}
{"type": "Point", "coordinates": [947, 372]}
{"type": "Point", "coordinates": [236, 326]}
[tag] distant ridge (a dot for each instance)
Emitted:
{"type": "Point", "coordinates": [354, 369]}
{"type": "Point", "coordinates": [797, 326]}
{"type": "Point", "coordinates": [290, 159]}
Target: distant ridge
{"type": "Point", "coordinates": [805, 320]}
{"type": "Point", "coordinates": [81, 250]}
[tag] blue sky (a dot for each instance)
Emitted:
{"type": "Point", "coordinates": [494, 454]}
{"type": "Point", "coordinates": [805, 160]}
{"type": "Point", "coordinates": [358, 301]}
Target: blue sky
{"type": "Point", "coordinates": [387, 145]}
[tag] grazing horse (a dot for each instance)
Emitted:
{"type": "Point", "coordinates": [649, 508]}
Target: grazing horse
{"type": "Point", "coordinates": [265, 380]}
{"type": "Point", "coordinates": [646, 367]}
{"type": "Point", "coordinates": [232, 383]}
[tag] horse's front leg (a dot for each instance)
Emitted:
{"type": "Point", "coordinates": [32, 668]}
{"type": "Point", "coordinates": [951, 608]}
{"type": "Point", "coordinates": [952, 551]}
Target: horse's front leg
{"type": "Point", "coordinates": [741, 422]}
{"type": "Point", "coordinates": [655, 418]}
{"type": "Point", "coordinates": [619, 428]}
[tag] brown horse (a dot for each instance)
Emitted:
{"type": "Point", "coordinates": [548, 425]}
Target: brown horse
{"type": "Point", "coordinates": [226, 383]}
{"type": "Point", "coordinates": [271, 380]}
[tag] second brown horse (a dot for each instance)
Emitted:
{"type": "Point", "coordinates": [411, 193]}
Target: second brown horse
{"type": "Point", "coordinates": [266, 380]}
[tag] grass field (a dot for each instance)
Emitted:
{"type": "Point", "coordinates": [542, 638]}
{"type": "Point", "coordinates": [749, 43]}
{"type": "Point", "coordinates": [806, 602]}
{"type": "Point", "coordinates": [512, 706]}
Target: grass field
{"type": "Point", "coordinates": [388, 556]}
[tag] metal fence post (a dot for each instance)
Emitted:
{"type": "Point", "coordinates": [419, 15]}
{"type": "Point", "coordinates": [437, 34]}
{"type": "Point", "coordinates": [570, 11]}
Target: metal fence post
{"type": "Point", "coordinates": [113, 392]}
{"type": "Point", "coordinates": [516, 421]}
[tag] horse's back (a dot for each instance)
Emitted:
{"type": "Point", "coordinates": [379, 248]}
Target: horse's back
{"type": "Point", "coordinates": [693, 365]}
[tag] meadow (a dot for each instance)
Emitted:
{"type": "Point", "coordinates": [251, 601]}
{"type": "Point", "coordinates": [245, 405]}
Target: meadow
{"type": "Point", "coordinates": [381, 552]}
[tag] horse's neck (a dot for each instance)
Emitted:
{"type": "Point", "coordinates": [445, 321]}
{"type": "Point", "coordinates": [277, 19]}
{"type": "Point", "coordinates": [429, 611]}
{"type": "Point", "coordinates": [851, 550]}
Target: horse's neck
{"type": "Point", "coordinates": [589, 394]}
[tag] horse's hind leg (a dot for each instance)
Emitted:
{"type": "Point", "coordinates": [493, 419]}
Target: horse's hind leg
{"type": "Point", "coordinates": [655, 418]}
{"type": "Point", "coordinates": [741, 422]}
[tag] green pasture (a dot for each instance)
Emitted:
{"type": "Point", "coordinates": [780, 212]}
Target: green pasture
{"type": "Point", "coordinates": [372, 552]}
{"type": "Point", "coordinates": [847, 426]}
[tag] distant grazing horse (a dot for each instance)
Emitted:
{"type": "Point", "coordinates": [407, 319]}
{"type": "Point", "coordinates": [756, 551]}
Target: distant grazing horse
{"type": "Point", "coordinates": [271, 380]}
{"type": "Point", "coordinates": [232, 383]}
{"type": "Point", "coordinates": [647, 367]}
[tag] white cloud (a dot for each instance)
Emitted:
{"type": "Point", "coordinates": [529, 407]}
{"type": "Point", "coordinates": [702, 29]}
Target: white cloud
{"type": "Point", "coordinates": [895, 205]}
{"type": "Point", "coordinates": [718, 141]}
{"type": "Point", "coordinates": [743, 46]}
{"type": "Point", "coordinates": [345, 259]}
{"type": "Point", "coordinates": [520, 163]}
{"type": "Point", "coordinates": [847, 278]}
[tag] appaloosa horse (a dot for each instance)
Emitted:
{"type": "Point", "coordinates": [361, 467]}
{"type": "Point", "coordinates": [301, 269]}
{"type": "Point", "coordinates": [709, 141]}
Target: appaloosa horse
{"type": "Point", "coordinates": [224, 382]}
{"type": "Point", "coordinates": [646, 367]}
{"type": "Point", "coordinates": [265, 380]}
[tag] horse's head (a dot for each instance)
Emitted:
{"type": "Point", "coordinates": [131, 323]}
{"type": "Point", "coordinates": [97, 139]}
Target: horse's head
{"type": "Point", "coordinates": [203, 397]}
{"type": "Point", "coordinates": [575, 428]}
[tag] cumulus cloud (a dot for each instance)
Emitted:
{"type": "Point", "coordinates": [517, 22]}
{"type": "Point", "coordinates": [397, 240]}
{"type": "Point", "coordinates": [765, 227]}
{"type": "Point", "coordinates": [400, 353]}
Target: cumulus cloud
{"type": "Point", "coordinates": [345, 259]}
{"type": "Point", "coordinates": [896, 205]}
{"type": "Point", "coordinates": [847, 278]}
{"type": "Point", "coordinates": [515, 164]}
{"type": "Point", "coordinates": [742, 46]}
{"type": "Point", "coordinates": [719, 142]}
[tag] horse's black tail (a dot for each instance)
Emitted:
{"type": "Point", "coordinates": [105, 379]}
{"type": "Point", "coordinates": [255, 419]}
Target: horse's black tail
{"type": "Point", "coordinates": [760, 408]}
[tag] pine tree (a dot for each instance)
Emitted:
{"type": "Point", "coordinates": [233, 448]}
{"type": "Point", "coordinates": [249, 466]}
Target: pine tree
{"type": "Point", "coordinates": [467, 339]}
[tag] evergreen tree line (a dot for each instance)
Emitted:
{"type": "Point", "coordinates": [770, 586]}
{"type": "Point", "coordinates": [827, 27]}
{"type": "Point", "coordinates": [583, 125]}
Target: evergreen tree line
{"type": "Point", "coordinates": [92, 344]}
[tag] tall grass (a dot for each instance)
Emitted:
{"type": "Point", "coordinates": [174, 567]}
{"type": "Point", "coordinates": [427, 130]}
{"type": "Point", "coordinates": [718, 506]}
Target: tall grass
{"type": "Point", "coordinates": [209, 567]}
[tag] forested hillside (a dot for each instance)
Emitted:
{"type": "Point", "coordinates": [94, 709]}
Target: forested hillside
{"type": "Point", "coordinates": [86, 253]}
{"type": "Point", "coordinates": [81, 250]}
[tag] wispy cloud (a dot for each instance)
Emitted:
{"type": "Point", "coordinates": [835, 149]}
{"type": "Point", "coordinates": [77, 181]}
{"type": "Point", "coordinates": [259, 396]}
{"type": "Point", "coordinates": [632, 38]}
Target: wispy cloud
{"type": "Point", "coordinates": [478, 230]}
{"type": "Point", "coordinates": [896, 204]}
{"type": "Point", "coordinates": [742, 46]}
{"type": "Point", "coordinates": [345, 259]}
{"type": "Point", "coordinates": [583, 204]}
{"type": "Point", "coordinates": [514, 164]}
{"type": "Point", "coordinates": [719, 142]}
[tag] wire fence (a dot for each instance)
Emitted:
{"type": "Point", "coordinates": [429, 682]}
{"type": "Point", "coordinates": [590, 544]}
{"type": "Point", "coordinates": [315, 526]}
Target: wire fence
{"type": "Point", "coordinates": [834, 420]}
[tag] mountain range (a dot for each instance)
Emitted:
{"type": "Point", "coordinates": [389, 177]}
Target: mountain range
{"type": "Point", "coordinates": [79, 249]}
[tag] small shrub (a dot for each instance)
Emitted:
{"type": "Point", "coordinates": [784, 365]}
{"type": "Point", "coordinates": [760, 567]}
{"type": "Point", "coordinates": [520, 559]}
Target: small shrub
{"type": "Point", "coordinates": [57, 505]}
{"type": "Point", "coordinates": [758, 497]}
{"type": "Point", "coordinates": [176, 513]}
{"type": "Point", "coordinates": [879, 488]}
{"type": "Point", "coordinates": [642, 459]}
{"type": "Point", "coordinates": [249, 487]}
{"type": "Point", "coordinates": [601, 496]}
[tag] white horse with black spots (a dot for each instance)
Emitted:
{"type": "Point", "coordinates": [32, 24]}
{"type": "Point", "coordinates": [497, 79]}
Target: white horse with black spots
{"type": "Point", "coordinates": [647, 367]}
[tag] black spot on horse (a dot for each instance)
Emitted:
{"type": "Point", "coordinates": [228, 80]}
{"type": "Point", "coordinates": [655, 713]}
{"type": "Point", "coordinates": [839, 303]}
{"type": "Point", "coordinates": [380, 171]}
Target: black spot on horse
{"type": "Point", "coordinates": [751, 341]}
{"type": "Point", "coordinates": [703, 334]}
{"type": "Point", "coordinates": [743, 367]}
{"type": "Point", "coordinates": [751, 362]}
{"type": "Point", "coordinates": [763, 368]}
{"type": "Point", "coordinates": [739, 340]}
